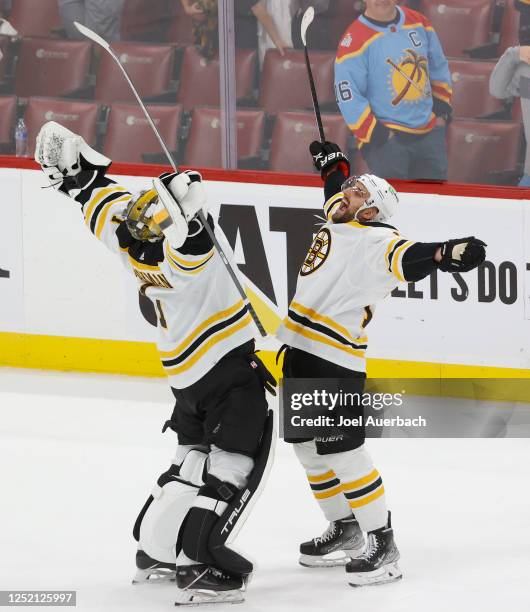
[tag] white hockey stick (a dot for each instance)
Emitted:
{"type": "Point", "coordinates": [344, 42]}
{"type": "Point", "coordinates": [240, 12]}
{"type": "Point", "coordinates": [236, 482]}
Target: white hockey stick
{"type": "Point", "coordinates": [105, 45]}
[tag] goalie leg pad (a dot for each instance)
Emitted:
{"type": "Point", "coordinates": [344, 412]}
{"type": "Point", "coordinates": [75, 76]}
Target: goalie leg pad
{"type": "Point", "coordinates": [161, 518]}
{"type": "Point", "coordinates": [221, 508]}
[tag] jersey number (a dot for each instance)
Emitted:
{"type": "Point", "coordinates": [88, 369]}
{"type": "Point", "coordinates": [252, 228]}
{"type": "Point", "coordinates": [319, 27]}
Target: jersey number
{"type": "Point", "coordinates": [343, 91]}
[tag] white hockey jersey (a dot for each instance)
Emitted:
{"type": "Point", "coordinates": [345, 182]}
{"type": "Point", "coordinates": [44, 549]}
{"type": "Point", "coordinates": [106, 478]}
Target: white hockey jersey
{"type": "Point", "coordinates": [201, 316]}
{"type": "Point", "coordinates": [349, 268]}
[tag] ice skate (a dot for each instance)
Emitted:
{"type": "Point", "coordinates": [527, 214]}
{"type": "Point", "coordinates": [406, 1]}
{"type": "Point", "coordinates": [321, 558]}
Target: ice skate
{"type": "Point", "coordinates": [203, 584]}
{"type": "Point", "coordinates": [342, 541]}
{"type": "Point", "coordinates": [378, 564]}
{"type": "Point", "coordinates": [150, 570]}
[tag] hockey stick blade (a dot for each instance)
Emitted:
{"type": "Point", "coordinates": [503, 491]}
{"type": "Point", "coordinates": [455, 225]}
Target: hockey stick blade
{"type": "Point", "coordinates": [92, 35]}
{"type": "Point", "coordinates": [231, 272]}
{"type": "Point", "coordinates": [307, 20]}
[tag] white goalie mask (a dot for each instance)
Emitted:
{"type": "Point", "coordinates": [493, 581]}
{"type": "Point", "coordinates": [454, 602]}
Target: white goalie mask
{"type": "Point", "coordinates": [382, 195]}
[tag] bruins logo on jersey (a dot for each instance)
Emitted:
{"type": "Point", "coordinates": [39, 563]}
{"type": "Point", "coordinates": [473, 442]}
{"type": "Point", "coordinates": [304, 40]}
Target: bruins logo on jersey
{"type": "Point", "coordinates": [318, 252]}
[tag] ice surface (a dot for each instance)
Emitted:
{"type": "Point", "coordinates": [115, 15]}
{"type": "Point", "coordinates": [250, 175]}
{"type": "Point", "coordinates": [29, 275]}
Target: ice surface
{"type": "Point", "coordinates": [79, 454]}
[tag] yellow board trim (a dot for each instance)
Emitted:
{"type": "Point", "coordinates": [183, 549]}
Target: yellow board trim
{"type": "Point", "coordinates": [127, 358]}
{"type": "Point", "coordinates": [359, 503]}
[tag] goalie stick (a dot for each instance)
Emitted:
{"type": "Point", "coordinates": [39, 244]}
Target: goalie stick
{"type": "Point", "coordinates": [105, 45]}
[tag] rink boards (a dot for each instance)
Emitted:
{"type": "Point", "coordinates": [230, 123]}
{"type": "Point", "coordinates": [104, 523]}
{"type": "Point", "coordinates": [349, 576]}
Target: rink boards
{"type": "Point", "coordinates": [66, 303]}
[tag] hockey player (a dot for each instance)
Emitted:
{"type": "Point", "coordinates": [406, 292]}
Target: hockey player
{"type": "Point", "coordinates": [355, 261]}
{"type": "Point", "coordinates": [206, 344]}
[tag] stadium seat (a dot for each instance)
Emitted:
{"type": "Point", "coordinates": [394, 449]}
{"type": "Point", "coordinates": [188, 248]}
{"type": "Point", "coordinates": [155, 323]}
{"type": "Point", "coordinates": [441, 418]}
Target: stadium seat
{"type": "Point", "coordinates": [129, 135]}
{"type": "Point", "coordinates": [483, 151]}
{"type": "Point", "coordinates": [80, 117]}
{"type": "Point", "coordinates": [149, 66]}
{"type": "Point", "coordinates": [199, 78]}
{"type": "Point", "coordinates": [204, 143]}
{"type": "Point", "coordinates": [143, 20]}
{"type": "Point", "coordinates": [36, 17]}
{"type": "Point", "coordinates": [471, 97]}
{"type": "Point", "coordinates": [8, 114]}
{"type": "Point", "coordinates": [284, 82]}
{"type": "Point", "coordinates": [509, 34]}
{"type": "Point", "coordinates": [292, 134]}
{"type": "Point", "coordinates": [52, 67]}
{"type": "Point", "coordinates": [460, 24]}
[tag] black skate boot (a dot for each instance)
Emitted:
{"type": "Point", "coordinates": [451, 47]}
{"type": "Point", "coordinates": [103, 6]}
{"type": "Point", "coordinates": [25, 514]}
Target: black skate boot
{"type": "Point", "coordinates": [378, 563]}
{"type": "Point", "coordinates": [341, 541]}
{"type": "Point", "coordinates": [151, 570]}
{"type": "Point", "coordinates": [200, 584]}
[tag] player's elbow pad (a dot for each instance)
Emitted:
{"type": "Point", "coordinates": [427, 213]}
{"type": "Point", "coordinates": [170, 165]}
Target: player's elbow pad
{"type": "Point", "coordinates": [418, 261]}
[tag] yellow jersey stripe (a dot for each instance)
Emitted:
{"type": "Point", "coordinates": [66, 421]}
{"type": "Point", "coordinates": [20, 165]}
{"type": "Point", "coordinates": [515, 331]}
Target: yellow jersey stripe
{"type": "Point", "coordinates": [187, 263]}
{"type": "Point", "coordinates": [361, 482]}
{"type": "Point", "coordinates": [102, 218]}
{"type": "Point", "coordinates": [364, 116]}
{"type": "Point", "coordinates": [303, 331]}
{"type": "Point", "coordinates": [223, 314]}
{"type": "Point", "coordinates": [141, 266]}
{"type": "Point", "coordinates": [313, 314]}
{"type": "Point", "coordinates": [364, 501]}
{"type": "Point", "coordinates": [247, 319]}
{"type": "Point", "coordinates": [329, 493]}
{"type": "Point", "coordinates": [93, 202]}
{"type": "Point", "coordinates": [361, 49]}
{"type": "Point", "coordinates": [396, 266]}
{"type": "Point", "coordinates": [321, 477]}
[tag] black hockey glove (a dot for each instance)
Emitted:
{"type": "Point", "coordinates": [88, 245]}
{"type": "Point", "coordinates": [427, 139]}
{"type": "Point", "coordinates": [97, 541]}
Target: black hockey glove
{"type": "Point", "coordinates": [267, 379]}
{"type": "Point", "coordinates": [462, 254]}
{"type": "Point", "coordinates": [326, 155]}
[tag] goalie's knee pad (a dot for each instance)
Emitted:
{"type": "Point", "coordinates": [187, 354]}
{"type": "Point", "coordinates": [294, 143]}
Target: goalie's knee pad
{"type": "Point", "coordinates": [158, 524]}
{"type": "Point", "coordinates": [221, 507]}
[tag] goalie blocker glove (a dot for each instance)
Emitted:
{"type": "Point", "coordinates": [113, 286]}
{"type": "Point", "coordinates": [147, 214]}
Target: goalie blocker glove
{"type": "Point", "coordinates": [180, 198]}
{"type": "Point", "coordinates": [462, 254]}
{"type": "Point", "coordinates": [326, 156]}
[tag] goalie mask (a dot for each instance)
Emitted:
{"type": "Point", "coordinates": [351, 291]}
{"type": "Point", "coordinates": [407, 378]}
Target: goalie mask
{"type": "Point", "coordinates": [139, 217]}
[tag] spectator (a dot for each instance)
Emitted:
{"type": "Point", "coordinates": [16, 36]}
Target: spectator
{"type": "Point", "coordinates": [393, 88]}
{"type": "Point", "coordinates": [247, 15]}
{"type": "Point", "coordinates": [102, 16]}
{"type": "Point", "coordinates": [280, 13]}
{"type": "Point", "coordinates": [511, 78]}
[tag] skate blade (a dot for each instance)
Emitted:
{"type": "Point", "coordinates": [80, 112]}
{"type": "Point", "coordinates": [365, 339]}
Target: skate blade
{"type": "Point", "coordinates": [388, 573]}
{"type": "Point", "coordinates": [328, 560]}
{"type": "Point", "coordinates": [197, 597]}
{"type": "Point", "coordinates": [154, 576]}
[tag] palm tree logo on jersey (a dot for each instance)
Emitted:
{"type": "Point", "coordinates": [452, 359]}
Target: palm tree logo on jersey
{"type": "Point", "coordinates": [410, 79]}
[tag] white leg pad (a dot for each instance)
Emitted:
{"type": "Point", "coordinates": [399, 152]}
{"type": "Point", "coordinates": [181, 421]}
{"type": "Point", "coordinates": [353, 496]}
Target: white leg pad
{"type": "Point", "coordinates": [161, 523]}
